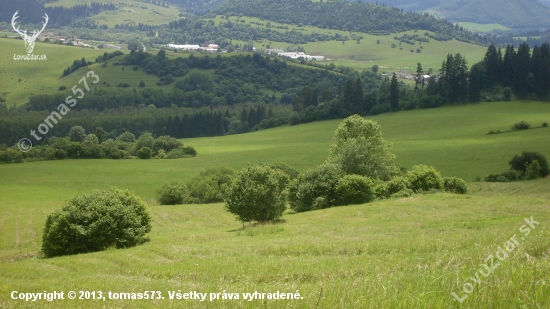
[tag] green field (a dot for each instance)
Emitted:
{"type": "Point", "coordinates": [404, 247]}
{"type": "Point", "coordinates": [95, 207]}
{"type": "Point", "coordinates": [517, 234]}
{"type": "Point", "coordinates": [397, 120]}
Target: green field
{"type": "Point", "coordinates": [367, 53]}
{"type": "Point", "coordinates": [482, 27]}
{"type": "Point", "coordinates": [28, 78]}
{"type": "Point", "coordinates": [128, 12]}
{"type": "Point", "coordinates": [22, 79]}
{"type": "Point", "coordinates": [399, 253]}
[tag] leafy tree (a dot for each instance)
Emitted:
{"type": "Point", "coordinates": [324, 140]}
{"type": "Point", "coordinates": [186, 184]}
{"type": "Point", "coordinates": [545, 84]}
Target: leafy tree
{"type": "Point", "coordinates": [77, 134]}
{"type": "Point", "coordinates": [532, 170]}
{"type": "Point", "coordinates": [359, 148]}
{"type": "Point", "coordinates": [91, 139]}
{"type": "Point", "coordinates": [145, 140]}
{"type": "Point", "coordinates": [315, 188]}
{"type": "Point", "coordinates": [144, 153]}
{"type": "Point", "coordinates": [374, 68]}
{"type": "Point", "coordinates": [128, 137]}
{"type": "Point", "coordinates": [257, 193]}
{"type": "Point", "coordinates": [95, 222]}
{"type": "Point", "coordinates": [520, 162]}
{"type": "Point", "coordinates": [209, 186]}
{"type": "Point", "coordinates": [101, 135]}
{"type": "Point", "coordinates": [166, 143]}
{"type": "Point", "coordinates": [172, 193]}
{"type": "Point", "coordinates": [134, 45]}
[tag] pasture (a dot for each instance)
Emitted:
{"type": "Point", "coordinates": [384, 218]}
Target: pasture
{"type": "Point", "coordinates": [128, 12]}
{"type": "Point", "coordinates": [399, 253]}
{"type": "Point", "coordinates": [367, 53]}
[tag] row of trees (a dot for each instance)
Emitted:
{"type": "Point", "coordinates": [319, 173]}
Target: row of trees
{"type": "Point", "coordinates": [99, 145]}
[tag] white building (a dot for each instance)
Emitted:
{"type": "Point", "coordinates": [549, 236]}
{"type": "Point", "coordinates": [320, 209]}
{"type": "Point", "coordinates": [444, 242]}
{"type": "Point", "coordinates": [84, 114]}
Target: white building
{"type": "Point", "coordinates": [295, 55]}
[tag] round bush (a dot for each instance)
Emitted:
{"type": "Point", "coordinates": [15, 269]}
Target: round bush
{"type": "Point", "coordinates": [396, 185]}
{"type": "Point", "coordinates": [319, 182]}
{"type": "Point", "coordinates": [145, 153]}
{"type": "Point", "coordinates": [93, 222]}
{"type": "Point", "coordinates": [257, 193]}
{"type": "Point", "coordinates": [172, 193]}
{"type": "Point", "coordinates": [424, 178]}
{"type": "Point", "coordinates": [354, 189]}
{"type": "Point", "coordinates": [210, 185]}
{"type": "Point", "coordinates": [455, 185]}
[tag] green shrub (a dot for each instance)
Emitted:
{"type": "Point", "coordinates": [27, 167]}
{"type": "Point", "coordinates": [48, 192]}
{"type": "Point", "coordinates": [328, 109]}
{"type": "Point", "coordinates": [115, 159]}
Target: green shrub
{"type": "Point", "coordinates": [455, 185]}
{"type": "Point", "coordinates": [145, 153]}
{"type": "Point", "coordinates": [291, 172]}
{"type": "Point", "coordinates": [96, 221]}
{"type": "Point", "coordinates": [209, 186]}
{"type": "Point", "coordinates": [184, 152]}
{"type": "Point", "coordinates": [520, 162]}
{"type": "Point", "coordinates": [395, 185]}
{"type": "Point", "coordinates": [166, 143]}
{"type": "Point", "coordinates": [145, 140]}
{"type": "Point", "coordinates": [424, 178]}
{"type": "Point", "coordinates": [318, 182]}
{"type": "Point", "coordinates": [522, 125]}
{"type": "Point", "coordinates": [172, 193]}
{"type": "Point", "coordinates": [512, 175]}
{"type": "Point", "coordinates": [495, 178]}
{"type": "Point", "coordinates": [257, 193]}
{"type": "Point", "coordinates": [545, 124]}
{"type": "Point", "coordinates": [532, 170]}
{"type": "Point", "coordinates": [354, 189]}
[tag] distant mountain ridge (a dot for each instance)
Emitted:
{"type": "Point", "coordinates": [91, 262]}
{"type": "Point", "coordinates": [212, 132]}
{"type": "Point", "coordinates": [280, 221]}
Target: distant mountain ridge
{"type": "Point", "coordinates": [510, 13]}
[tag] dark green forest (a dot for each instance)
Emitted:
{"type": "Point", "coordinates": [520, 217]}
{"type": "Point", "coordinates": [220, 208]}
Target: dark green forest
{"type": "Point", "coordinates": [346, 16]}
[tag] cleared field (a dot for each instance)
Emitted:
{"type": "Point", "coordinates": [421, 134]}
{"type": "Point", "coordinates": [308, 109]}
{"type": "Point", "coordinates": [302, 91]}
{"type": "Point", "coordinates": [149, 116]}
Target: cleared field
{"type": "Point", "coordinates": [368, 53]}
{"type": "Point", "coordinates": [27, 78]}
{"type": "Point", "coordinates": [128, 12]}
{"type": "Point", "coordinates": [482, 27]}
{"type": "Point", "coordinates": [21, 79]}
{"type": "Point", "coordinates": [400, 253]}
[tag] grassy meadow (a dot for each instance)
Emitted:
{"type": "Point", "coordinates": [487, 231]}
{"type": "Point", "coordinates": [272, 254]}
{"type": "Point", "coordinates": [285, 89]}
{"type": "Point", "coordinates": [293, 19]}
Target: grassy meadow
{"type": "Point", "coordinates": [27, 78]}
{"type": "Point", "coordinates": [482, 27]}
{"type": "Point", "coordinates": [368, 53]}
{"type": "Point", "coordinates": [399, 253]}
{"type": "Point", "coordinates": [128, 12]}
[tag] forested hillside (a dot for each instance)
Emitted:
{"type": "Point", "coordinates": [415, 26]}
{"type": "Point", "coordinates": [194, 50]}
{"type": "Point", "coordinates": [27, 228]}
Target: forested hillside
{"type": "Point", "coordinates": [343, 15]}
{"type": "Point", "coordinates": [510, 13]}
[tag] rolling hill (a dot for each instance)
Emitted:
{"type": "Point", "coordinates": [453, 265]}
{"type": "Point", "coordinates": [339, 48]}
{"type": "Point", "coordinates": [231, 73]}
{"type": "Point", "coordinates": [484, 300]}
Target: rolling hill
{"type": "Point", "coordinates": [374, 255]}
{"type": "Point", "coordinates": [510, 13]}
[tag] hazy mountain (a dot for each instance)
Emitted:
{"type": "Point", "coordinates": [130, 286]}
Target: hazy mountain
{"type": "Point", "coordinates": [511, 13]}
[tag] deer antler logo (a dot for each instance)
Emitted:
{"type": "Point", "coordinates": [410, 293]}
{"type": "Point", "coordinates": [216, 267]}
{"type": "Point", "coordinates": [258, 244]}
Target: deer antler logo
{"type": "Point", "coordinates": [29, 40]}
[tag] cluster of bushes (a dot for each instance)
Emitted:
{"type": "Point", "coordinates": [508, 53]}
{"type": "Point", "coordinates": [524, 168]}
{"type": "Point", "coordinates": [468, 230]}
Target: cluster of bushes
{"type": "Point", "coordinates": [78, 144]}
{"type": "Point", "coordinates": [97, 221]}
{"type": "Point", "coordinates": [522, 125]}
{"type": "Point", "coordinates": [527, 166]}
{"type": "Point", "coordinates": [207, 187]}
{"type": "Point", "coordinates": [328, 185]}
{"type": "Point", "coordinates": [360, 168]}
